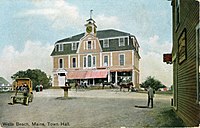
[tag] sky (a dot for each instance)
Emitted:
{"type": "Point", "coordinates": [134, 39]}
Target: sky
{"type": "Point", "coordinates": [29, 29]}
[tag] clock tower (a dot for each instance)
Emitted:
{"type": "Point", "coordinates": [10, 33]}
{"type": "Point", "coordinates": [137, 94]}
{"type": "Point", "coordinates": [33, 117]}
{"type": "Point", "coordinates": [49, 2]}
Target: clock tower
{"type": "Point", "coordinates": [90, 26]}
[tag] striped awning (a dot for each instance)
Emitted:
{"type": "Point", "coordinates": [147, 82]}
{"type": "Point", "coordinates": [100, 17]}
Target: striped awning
{"type": "Point", "coordinates": [87, 74]}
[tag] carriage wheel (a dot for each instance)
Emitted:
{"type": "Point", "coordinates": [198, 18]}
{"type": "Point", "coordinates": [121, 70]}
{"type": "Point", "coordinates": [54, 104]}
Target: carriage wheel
{"type": "Point", "coordinates": [26, 101]}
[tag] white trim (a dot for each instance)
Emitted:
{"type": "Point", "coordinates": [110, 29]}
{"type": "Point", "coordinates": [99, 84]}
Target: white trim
{"type": "Point", "coordinates": [91, 44]}
{"type": "Point", "coordinates": [84, 45]}
{"type": "Point", "coordinates": [114, 37]}
{"type": "Point", "coordinates": [116, 78]}
{"type": "Point", "coordinates": [133, 77]}
{"type": "Point", "coordinates": [111, 59]}
{"type": "Point", "coordinates": [100, 59]}
{"type": "Point", "coordinates": [64, 55]}
{"type": "Point", "coordinates": [133, 57]}
{"type": "Point", "coordinates": [69, 61]}
{"type": "Point", "coordinates": [122, 51]}
{"type": "Point", "coordinates": [96, 53]}
{"type": "Point", "coordinates": [93, 36]}
{"type": "Point", "coordinates": [78, 60]}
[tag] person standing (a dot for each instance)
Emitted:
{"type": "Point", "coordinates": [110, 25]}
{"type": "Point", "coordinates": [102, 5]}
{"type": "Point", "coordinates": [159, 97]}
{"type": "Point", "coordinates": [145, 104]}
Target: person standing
{"type": "Point", "coordinates": [150, 96]}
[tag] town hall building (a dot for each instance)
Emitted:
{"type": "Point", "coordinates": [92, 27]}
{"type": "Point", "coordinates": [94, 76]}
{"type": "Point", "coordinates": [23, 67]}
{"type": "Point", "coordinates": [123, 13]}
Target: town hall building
{"type": "Point", "coordinates": [96, 56]}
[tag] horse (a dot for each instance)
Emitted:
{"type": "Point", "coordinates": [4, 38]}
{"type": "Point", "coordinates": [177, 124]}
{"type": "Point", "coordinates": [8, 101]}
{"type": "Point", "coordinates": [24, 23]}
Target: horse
{"type": "Point", "coordinates": [126, 85]}
{"type": "Point", "coordinates": [108, 84]}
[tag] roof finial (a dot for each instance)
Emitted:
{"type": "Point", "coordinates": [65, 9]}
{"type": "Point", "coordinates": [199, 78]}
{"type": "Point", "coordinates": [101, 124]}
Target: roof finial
{"type": "Point", "coordinates": [91, 14]}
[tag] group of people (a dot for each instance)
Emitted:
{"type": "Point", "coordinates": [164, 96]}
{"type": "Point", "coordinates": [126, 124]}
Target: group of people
{"type": "Point", "coordinates": [23, 88]}
{"type": "Point", "coordinates": [39, 88]}
{"type": "Point", "coordinates": [82, 84]}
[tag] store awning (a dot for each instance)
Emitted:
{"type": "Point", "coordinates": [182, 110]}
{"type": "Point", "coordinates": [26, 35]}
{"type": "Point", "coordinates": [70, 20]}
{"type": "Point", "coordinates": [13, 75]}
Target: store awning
{"type": "Point", "coordinates": [76, 74]}
{"type": "Point", "coordinates": [87, 74]}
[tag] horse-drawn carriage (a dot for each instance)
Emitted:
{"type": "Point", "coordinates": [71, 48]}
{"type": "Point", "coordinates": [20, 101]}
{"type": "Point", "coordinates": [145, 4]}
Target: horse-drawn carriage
{"type": "Point", "coordinates": [23, 91]}
{"type": "Point", "coordinates": [128, 85]}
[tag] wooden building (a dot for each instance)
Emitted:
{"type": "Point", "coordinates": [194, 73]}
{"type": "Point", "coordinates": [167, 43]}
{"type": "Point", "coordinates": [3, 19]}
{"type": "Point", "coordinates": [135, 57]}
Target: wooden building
{"type": "Point", "coordinates": [96, 56]}
{"type": "Point", "coordinates": [186, 60]}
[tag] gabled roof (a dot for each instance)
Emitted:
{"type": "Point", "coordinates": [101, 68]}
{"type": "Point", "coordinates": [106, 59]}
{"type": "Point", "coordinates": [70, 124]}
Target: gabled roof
{"type": "Point", "coordinates": [100, 34]}
{"type": "Point", "coordinates": [3, 81]}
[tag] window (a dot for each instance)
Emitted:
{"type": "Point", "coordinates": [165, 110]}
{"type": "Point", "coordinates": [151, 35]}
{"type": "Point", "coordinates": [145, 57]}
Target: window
{"type": "Point", "coordinates": [73, 62]}
{"type": "Point", "coordinates": [56, 47]}
{"type": "Point", "coordinates": [61, 63]}
{"type": "Point", "coordinates": [121, 42]}
{"type": "Point", "coordinates": [106, 43]}
{"type": "Point", "coordinates": [60, 47]}
{"type": "Point", "coordinates": [89, 45]}
{"type": "Point", "coordinates": [94, 61]}
{"type": "Point", "coordinates": [84, 61]}
{"type": "Point", "coordinates": [177, 12]}
{"type": "Point", "coordinates": [105, 61]}
{"type": "Point", "coordinates": [198, 61]}
{"type": "Point", "coordinates": [121, 60]}
{"type": "Point", "coordinates": [89, 61]}
{"type": "Point", "coordinates": [74, 46]}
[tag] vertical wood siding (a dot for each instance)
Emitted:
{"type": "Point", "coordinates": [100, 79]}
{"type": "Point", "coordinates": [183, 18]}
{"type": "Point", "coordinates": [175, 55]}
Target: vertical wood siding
{"type": "Point", "coordinates": [187, 108]}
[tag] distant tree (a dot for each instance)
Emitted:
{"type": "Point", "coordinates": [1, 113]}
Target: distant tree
{"type": "Point", "coordinates": [152, 82]}
{"type": "Point", "coordinates": [36, 75]}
